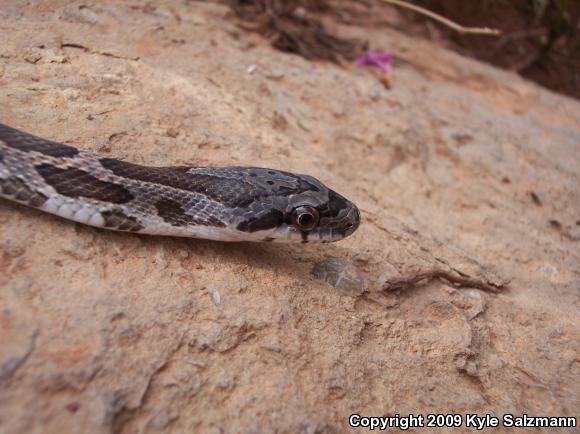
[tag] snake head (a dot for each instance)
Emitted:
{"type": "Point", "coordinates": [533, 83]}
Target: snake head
{"type": "Point", "coordinates": [331, 219]}
{"type": "Point", "coordinates": [296, 208]}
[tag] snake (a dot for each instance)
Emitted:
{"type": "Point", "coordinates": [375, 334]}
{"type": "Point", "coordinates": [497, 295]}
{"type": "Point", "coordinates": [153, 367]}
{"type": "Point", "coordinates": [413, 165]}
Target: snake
{"type": "Point", "coordinates": [216, 203]}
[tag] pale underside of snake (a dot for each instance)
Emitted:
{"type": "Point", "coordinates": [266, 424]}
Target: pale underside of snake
{"type": "Point", "coordinates": [226, 204]}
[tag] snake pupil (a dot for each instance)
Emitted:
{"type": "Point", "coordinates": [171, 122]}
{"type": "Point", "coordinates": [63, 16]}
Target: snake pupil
{"type": "Point", "coordinates": [305, 219]}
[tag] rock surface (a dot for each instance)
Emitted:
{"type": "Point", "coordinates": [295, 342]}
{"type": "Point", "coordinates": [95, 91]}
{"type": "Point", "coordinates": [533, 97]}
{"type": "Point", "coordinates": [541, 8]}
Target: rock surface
{"type": "Point", "coordinates": [459, 165]}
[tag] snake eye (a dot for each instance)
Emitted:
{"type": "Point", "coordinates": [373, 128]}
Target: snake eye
{"type": "Point", "coordinates": [305, 218]}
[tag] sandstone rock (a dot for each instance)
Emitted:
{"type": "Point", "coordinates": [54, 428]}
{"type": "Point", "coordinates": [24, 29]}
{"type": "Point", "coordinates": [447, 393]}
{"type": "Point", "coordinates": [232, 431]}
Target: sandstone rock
{"type": "Point", "coordinates": [112, 332]}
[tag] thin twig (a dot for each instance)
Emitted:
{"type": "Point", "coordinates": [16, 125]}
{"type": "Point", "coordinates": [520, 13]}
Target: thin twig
{"type": "Point", "coordinates": [454, 279]}
{"type": "Point", "coordinates": [445, 21]}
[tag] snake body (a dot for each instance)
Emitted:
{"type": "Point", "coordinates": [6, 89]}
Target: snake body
{"type": "Point", "coordinates": [227, 204]}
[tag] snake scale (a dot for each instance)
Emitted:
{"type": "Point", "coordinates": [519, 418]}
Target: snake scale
{"type": "Point", "coordinates": [226, 204]}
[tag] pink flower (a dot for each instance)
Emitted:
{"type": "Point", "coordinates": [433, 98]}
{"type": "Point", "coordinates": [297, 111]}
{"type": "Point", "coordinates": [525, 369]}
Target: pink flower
{"type": "Point", "coordinates": [376, 59]}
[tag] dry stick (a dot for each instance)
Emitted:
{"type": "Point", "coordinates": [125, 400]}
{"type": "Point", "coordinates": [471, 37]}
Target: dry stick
{"type": "Point", "coordinates": [464, 281]}
{"type": "Point", "coordinates": [443, 20]}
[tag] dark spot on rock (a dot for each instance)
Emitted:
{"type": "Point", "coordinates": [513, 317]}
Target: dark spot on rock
{"type": "Point", "coordinates": [75, 183]}
{"type": "Point", "coordinates": [535, 198]}
{"type": "Point", "coordinates": [172, 132]}
{"type": "Point", "coordinates": [73, 407]}
{"type": "Point", "coordinates": [462, 139]}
